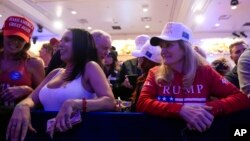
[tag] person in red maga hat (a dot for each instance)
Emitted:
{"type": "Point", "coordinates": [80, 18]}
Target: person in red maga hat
{"type": "Point", "coordinates": [19, 72]}
{"type": "Point", "coordinates": [54, 43]}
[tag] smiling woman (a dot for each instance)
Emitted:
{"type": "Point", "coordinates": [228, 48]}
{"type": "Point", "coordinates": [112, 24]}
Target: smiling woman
{"type": "Point", "coordinates": [67, 90]}
{"type": "Point", "coordinates": [182, 85]}
{"type": "Point", "coordinates": [20, 73]}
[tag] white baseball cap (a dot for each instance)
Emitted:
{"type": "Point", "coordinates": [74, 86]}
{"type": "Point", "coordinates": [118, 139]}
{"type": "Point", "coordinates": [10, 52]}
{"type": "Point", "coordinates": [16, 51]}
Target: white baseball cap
{"type": "Point", "coordinates": [152, 53]}
{"type": "Point", "coordinates": [173, 31]}
{"type": "Point", "coordinates": [140, 41]}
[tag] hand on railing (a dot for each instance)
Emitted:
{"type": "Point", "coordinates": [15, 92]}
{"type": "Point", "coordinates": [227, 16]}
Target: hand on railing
{"type": "Point", "coordinates": [197, 117]}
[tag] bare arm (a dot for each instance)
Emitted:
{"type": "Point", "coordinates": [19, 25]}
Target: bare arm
{"type": "Point", "coordinates": [20, 120]}
{"type": "Point", "coordinates": [18, 93]}
{"type": "Point", "coordinates": [95, 78]}
{"type": "Point", "coordinates": [36, 68]}
{"type": "Point", "coordinates": [100, 85]}
{"type": "Point", "coordinates": [33, 99]}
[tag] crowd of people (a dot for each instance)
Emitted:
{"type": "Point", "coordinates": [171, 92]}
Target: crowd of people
{"type": "Point", "coordinates": [168, 77]}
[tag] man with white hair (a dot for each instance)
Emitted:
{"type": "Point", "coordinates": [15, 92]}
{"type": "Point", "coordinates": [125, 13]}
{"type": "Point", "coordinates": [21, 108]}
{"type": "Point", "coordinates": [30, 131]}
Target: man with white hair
{"type": "Point", "coordinates": [103, 42]}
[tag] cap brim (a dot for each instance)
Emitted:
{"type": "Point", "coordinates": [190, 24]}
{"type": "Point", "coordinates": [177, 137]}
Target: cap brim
{"type": "Point", "coordinates": [155, 41]}
{"type": "Point", "coordinates": [137, 53]}
{"type": "Point", "coordinates": [17, 33]}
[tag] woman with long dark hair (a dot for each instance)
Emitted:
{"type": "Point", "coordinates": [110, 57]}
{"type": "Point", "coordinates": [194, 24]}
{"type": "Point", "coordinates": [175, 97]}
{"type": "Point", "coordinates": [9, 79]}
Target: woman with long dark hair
{"type": "Point", "coordinates": [68, 90]}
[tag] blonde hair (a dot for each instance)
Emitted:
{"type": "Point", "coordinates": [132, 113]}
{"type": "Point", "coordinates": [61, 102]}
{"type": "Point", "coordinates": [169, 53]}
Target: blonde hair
{"type": "Point", "coordinates": [191, 62]}
{"type": "Point", "coordinates": [48, 47]}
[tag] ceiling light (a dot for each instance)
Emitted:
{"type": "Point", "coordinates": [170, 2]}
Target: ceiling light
{"type": "Point", "coordinates": [235, 34]}
{"type": "Point", "coordinates": [147, 26]}
{"type": "Point", "coordinates": [243, 34]}
{"type": "Point", "coordinates": [89, 28]}
{"type": "Point", "coordinates": [234, 4]}
{"type": "Point", "coordinates": [1, 16]}
{"type": "Point", "coordinates": [73, 12]}
{"type": "Point", "coordinates": [217, 25]}
{"type": "Point", "coordinates": [145, 9]}
{"type": "Point", "coordinates": [58, 25]}
{"type": "Point", "coordinates": [197, 6]}
{"type": "Point", "coordinates": [199, 19]}
{"type": "Point", "coordinates": [59, 11]}
{"type": "Point", "coordinates": [233, 7]}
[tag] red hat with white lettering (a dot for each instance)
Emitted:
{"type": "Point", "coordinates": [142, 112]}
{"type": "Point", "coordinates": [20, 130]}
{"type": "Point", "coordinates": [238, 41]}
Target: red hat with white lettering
{"type": "Point", "coordinates": [19, 26]}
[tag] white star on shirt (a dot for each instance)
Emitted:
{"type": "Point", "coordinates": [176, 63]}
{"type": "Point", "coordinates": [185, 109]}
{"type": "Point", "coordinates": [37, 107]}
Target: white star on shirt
{"type": "Point", "coordinates": [171, 98]}
{"type": "Point", "coordinates": [224, 81]}
{"type": "Point", "coordinates": [159, 98]}
{"type": "Point", "coordinates": [164, 98]}
{"type": "Point", "coordinates": [148, 84]}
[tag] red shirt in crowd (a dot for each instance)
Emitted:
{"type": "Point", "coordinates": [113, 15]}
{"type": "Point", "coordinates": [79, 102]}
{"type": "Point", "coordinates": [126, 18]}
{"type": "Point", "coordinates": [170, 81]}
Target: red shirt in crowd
{"type": "Point", "coordinates": [17, 76]}
{"type": "Point", "coordinates": [167, 99]}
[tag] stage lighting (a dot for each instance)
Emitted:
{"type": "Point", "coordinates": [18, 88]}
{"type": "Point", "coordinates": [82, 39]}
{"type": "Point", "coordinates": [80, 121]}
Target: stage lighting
{"type": "Point", "coordinates": [39, 28]}
{"type": "Point", "coordinates": [235, 34]}
{"type": "Point", "coordinates": [34, 39]}
{"type": "Point", "coordinates": [234, 2]}
{"type": "Point", "coordinates": [243, 34]}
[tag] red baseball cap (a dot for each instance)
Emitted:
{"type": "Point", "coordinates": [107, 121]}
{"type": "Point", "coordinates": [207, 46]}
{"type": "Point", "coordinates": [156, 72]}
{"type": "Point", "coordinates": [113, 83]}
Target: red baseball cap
{"type": "Point", "coordinates": [54, 41]}
{"type": "Point", "coordinates": [19, 26]}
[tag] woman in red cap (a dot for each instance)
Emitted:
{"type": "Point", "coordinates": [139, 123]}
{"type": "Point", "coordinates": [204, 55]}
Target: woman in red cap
{"type": "Point", "coordinates": [19, 73]}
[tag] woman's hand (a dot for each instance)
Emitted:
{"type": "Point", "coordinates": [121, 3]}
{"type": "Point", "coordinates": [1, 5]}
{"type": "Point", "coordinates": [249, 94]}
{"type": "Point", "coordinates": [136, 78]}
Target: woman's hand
{"type": "Point", "coordinates": [126, 83]}
{"type": "Point", "coordinates": [16, 93]}
{"type": "Point", "coordinates": [63, 117]}
{"type": "Point", "coordinates": [19, 123]}
{"type": "Point", "coordinates": [197, 117]}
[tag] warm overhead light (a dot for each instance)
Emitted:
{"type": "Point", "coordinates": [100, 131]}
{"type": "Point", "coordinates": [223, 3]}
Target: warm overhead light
{"type": "Point", "coordinates": [1, 16]}
{"type": "Point", "coordinates": [89, 28]}
{"type": "Point", "coordinates": [73, 12]}
{"type": "Point", "coordinates": [147, 26]}
{"type": "Point", "coordinates": [235, 34]}
{"type": "Point", "coordinates": [145, 9]}
{"type": "Point", "coordinates": [233, 7]}
{"type": "Point", "coordinates": [243, 34]}
{"type": "Point", "coordinates": [198, 5]}
{"type": "Point", "coordinates": [58, 25]}
{"type": "Point", "coordinates": [199, 19]}
{"type": "Point", "coordinates": [234, 4]}
{"type": "Point", "coordinates": [59, 10]}
{"type": "Point", "coordinates": [217, 25]}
